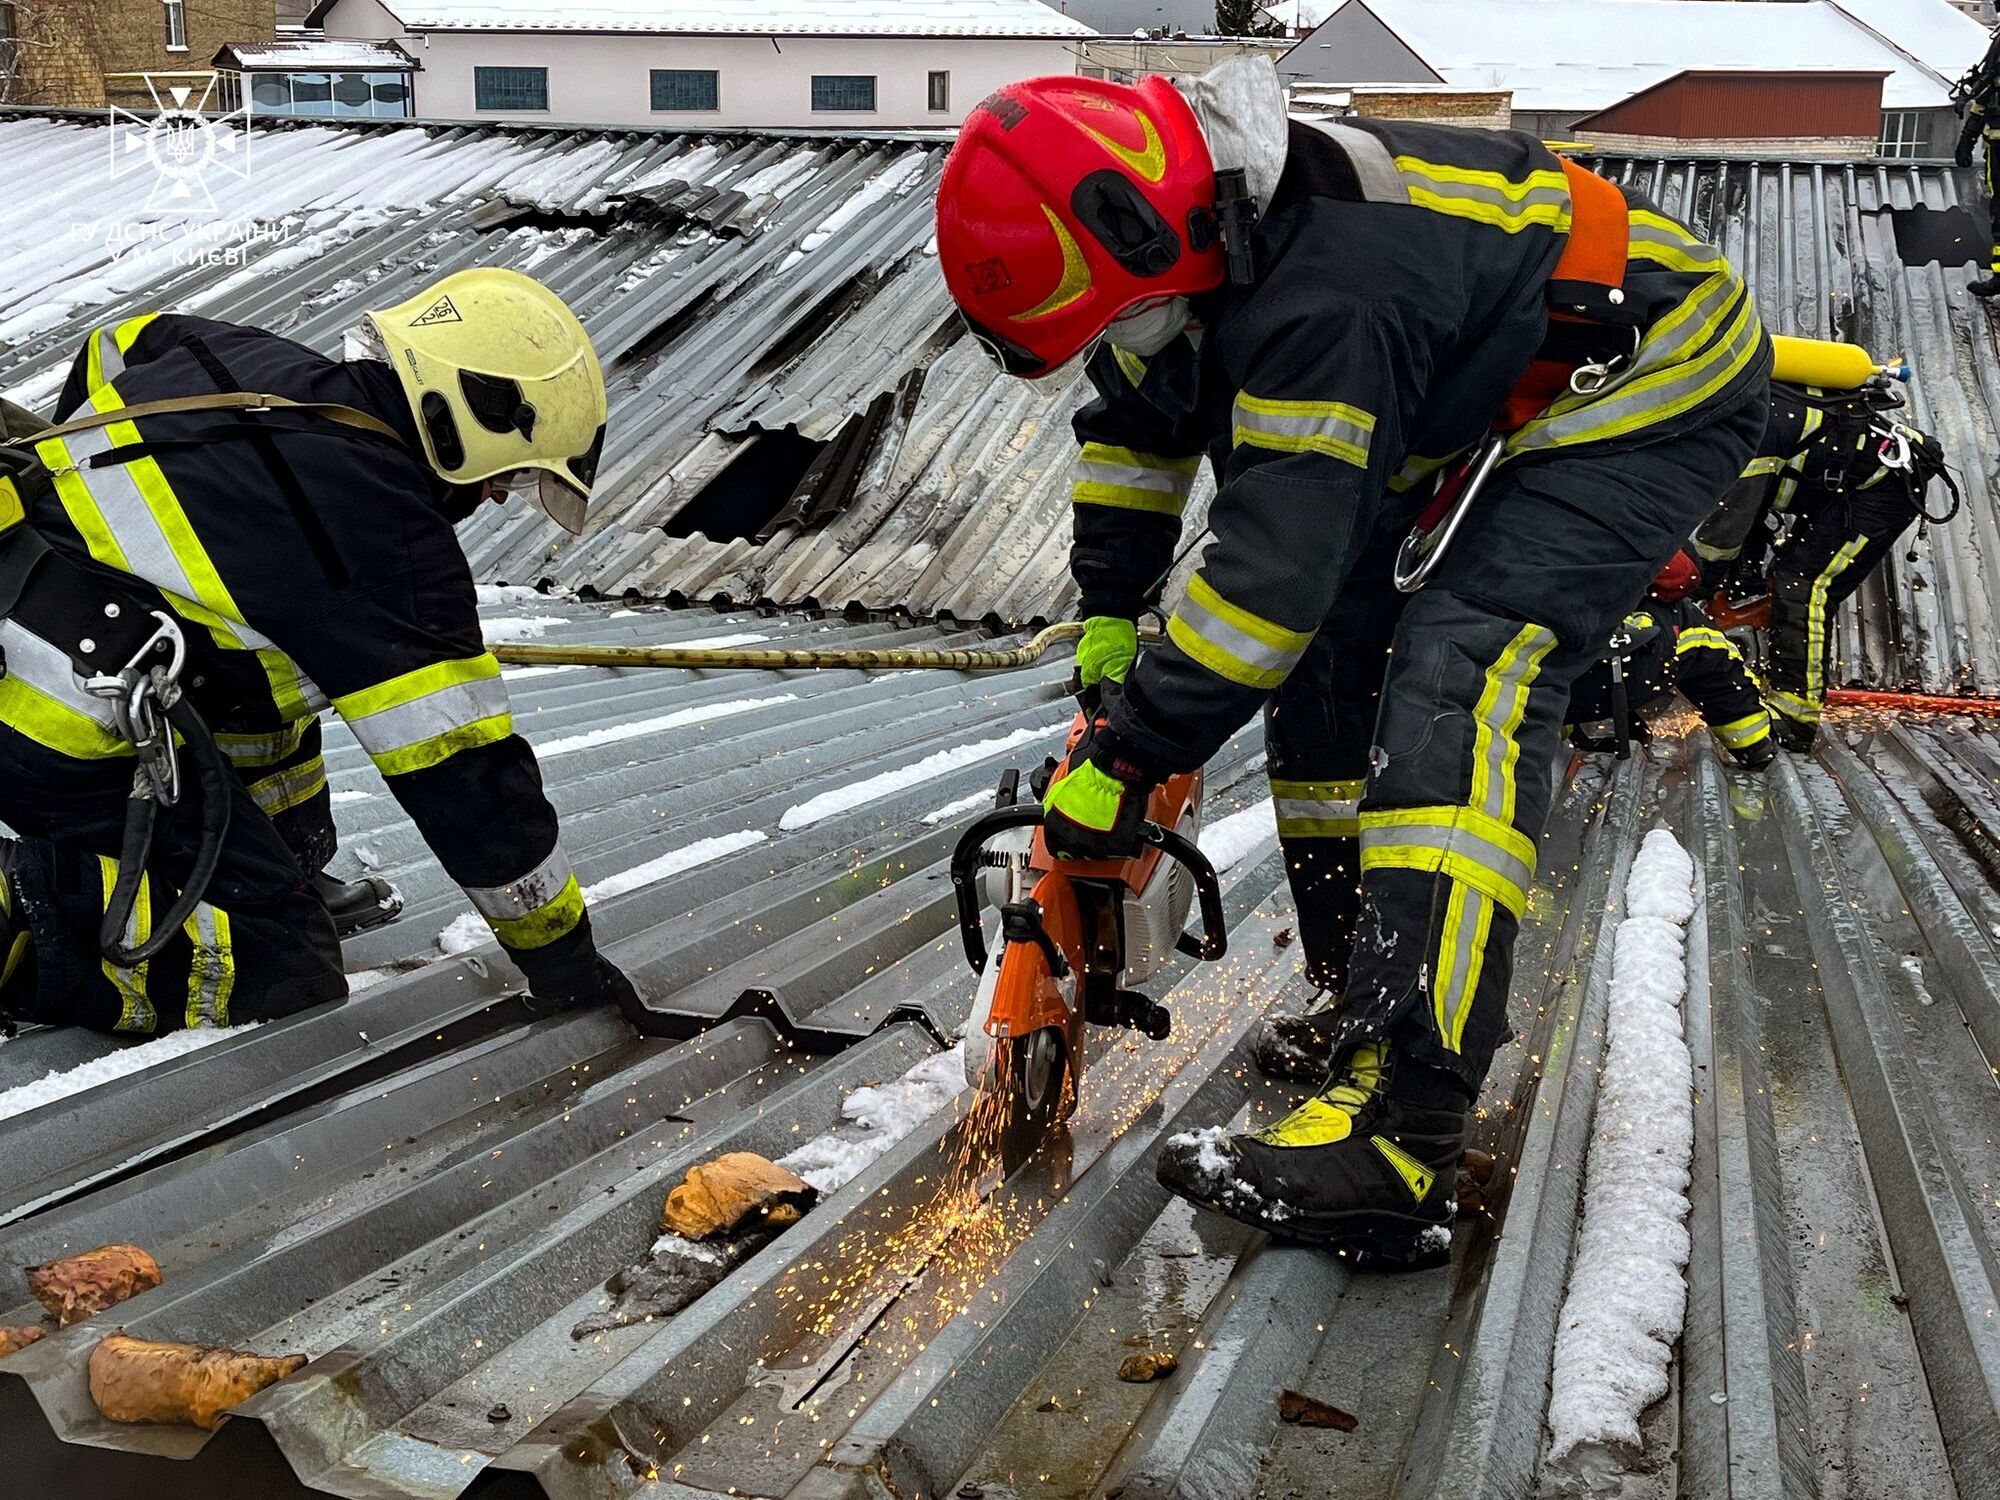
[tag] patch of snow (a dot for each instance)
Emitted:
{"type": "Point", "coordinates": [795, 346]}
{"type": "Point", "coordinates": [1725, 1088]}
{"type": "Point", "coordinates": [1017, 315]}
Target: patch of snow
{"type": "Point", "coordinates": [513, 628]}
{"type": "Point", "coordinates": [61, 1083]}
{"type": "Point", "coordinates": [954, 809]}
{"type": "Point", "coordinates": [1914, 967]}
{"type": "Point", "coordinates": [510, 593]}
{"type": "Point", "coordinates": [894, 180]}
{"type": "Point", "coordinates": [1230, 840]}
{"type": "Point", "coordinates": [1207, 1145]}
{"type": "Point", "coordinates": [624, 614]}
{"type": "Point", "coordinates": [639, 728]}
{"type": "Point", "coordinates": [687, 1249]}
{"type": "Point", "coordinates": [876, 1116]}
{"type": "Point", "coordinates": [465, 933]}
{"type": "Point", "coordinates": [888, 783]}
{"type": "Point", "coordinates": [673, 862]}
{"type": "Point", "coordinates": [521, 674]}
{"type": "Point", "coordinates": [366, 979]}
{"type": "Point", "coordinates": [1627, 1293]}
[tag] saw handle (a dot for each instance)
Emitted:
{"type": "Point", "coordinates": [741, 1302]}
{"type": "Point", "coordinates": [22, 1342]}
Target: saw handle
{"type": "Point", "coordinates": [1211, 945]}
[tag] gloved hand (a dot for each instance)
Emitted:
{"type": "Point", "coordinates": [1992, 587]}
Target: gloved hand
{"type": "Point", "coordinates": [1108, 649]}
{"type": "Point", "coordinates": [604, 984]}
{"type": "Point", "coordinates": [1095, 811]}
{"type": "Point", "coordinates": [1963, 155]}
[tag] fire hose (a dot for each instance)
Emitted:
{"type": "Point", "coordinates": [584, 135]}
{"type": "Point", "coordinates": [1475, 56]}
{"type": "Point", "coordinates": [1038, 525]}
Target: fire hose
{"type": "Point", "coordinates": [889, 658]}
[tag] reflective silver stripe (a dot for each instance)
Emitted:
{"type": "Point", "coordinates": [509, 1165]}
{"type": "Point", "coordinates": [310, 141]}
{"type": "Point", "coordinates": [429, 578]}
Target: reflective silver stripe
{"type": "Point", "coordinates": [530, 893]}
{"type": "Point", "coordinates": [1328, 809]}
{"type": "Point", "coordinates": [1330, 427]}
{"type": "Point", "coordinates": [1374, 166]}
{"type": "Point", "coordinates": [283, 790]}
{"type": "Point", "coordinates": [115, 492]}
{"type": "Point", "coordinates": [1461, 958]}
{"type": "Point", "coordinates": [435, 713]}
{"type": "Point", "coordinates": [1516, 872]}
{"type": "Point", "coordinates": [1426, 177]}
{"type": "Point", "coordinates": [1133, 476]}
{"type": "Point", "coordinates": [1240, 644]}
{"type": "Point", "coordinates": [207, 969]}
{"type": "Point", "coordinates": [110, 358]}
{"type": "Point", "coordinates": [1701, 255]}
{"type": "Point", "coordinates": [34, 662]}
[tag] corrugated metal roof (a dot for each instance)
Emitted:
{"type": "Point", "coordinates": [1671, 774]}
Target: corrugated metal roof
{"type": "Point", "coordinates": [427, 1192]}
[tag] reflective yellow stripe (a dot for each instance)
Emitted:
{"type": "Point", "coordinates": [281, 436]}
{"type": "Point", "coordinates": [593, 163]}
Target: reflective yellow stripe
{"type": "Point", "coordinates": [1497, 716]}
{"type": "Point", "coordinates": [248, 751]}
{"type": "Point", "coordinates": [1705, 638]}
{"type": "Point", "coordinates": [12, 512]}
{"type": "Point", "coordinates": [1716, 554]}
{"type": "Point", "coordinates": [555, 919]}
{"type": "Point", "coordinates": [1129, 364]}
{"type": "Point", "coordinates": [39, 698]}
{"type": "Point", "coordinates": [1233, 643]}
{"type": "Point", "coordinates": [1653, 237]}
{"type": "Point", "coordinates": [1417, 1177]}
{"type": "Point", "coordinates": [1816, 621]}
{"type": "Point", "coordinates": [212, 969]}
{"type": "Point", "coordinates": [137, 1012]}
{"type": "Point", "coordinates": [1415, 471]}
{"type": "Point", "coordinates": [1333, 428]}
{"type": "Point", "coordinates": [426, 716]}
{"type": "Point", "coordinates": [1131, 480]}
{"type": "Point", "coordinates": [1747, 730]}
{"type": "Point", "coordinates": [108, 347]}
{"type": "Point", "coordinates": [1758, 467]}
{"type": "Point", "coordinates": [1318, 809]}
{"type": "Point", "coordinates": [1492, 198]}
{"type": "Point", "coordinates": [288, 788]}
{"type": "Point", "coordinates": [1793, 707]}
{"type": "Point", "coordinates": [1461, 842]}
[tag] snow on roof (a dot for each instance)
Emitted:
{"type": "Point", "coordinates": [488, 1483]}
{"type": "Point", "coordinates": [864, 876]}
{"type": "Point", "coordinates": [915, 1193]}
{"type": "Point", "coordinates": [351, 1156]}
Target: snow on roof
{"type": "Point", "coordinates": [321, 55]}
{"type": "Point", "coordinates": [1934, 32]}
{"type": "Point", "coordinates": [1561, 55]}
{"type": "Point", "coordinates": [1009, 18]}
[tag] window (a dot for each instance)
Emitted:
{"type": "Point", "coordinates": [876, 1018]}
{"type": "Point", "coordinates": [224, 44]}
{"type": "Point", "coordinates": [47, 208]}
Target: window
{"type": "Point", "coordinates": [844, 91]}
{"type": "Point", "coordinates": [510, 88]}
{"type": "Point", "coordinates": [940, 92]}
{"type": "Point", "coordinates": [378, 96]}
{"type": "Point", "coordinates": [177, 24]}
{"type": "Point", "coordinates": [1902, 134]}
{"type": "Point", "coordinates": [686, 89]}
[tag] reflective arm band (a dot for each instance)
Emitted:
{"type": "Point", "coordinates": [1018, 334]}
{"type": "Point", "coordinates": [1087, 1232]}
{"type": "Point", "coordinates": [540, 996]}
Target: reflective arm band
{"type": "Point", "coordinates": [423, 718]}
{"type": "Point", "coordinates": [253, 750]}
{"type": "Point", "coordinates": [1318, 809]}
{"type": "Point", "coordinates": [1233, 643]}
{"type": "Point", "coordinates": [554, 919]}
{"type": "Point", "coordinates": [284, 790]}
{"type": "Point", "coordinates": [1703, 638]}
{"type": "Point", "coordinates": [1461, 843]}
{"type": "Point", "coordinates": [1748, 730]}
{"type": "Point", "coordinates": [1131, 480]}
{"type": "Point", "coordinates": [535, 909]}
{"type": "Point", "coordinates": [1332, 428]}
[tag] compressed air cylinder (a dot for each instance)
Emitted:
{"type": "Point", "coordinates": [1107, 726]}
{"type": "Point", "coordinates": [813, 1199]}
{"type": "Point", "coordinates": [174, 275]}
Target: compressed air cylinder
{"type": "Point", "coordinates": [1839, 367]}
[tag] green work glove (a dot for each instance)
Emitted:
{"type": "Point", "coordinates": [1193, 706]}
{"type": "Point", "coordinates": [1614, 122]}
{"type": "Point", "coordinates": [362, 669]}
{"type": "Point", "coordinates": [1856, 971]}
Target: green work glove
{"type": "Point", "coordinates": [1092, 814]}
{"type": "Point", "coordinates": [1108, 649]}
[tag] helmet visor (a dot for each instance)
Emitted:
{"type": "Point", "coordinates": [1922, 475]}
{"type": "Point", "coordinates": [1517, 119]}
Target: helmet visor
{"type": "Point", "coordinates": [560, 500]}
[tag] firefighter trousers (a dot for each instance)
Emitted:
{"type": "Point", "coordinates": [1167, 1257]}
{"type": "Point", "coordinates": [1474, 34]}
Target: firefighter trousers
{"type": "Point", "coordinates": [1554, 554]}
{"type": "Point", "coordinates": [1829, 552]}
{"type": "Point", "coordinates": [261, 945]}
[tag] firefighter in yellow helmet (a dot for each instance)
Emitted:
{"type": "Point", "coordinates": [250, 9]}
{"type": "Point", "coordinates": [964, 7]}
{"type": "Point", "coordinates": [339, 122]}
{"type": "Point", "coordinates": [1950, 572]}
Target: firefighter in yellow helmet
{"type": "Point", "coordinates": [287, 519]}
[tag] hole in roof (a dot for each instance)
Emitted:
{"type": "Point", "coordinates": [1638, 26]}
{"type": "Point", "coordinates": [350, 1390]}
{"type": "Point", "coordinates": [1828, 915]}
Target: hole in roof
{"type": "Point", "coordinates": [746, 495]}
{"type": "Point", "coordinates": [1949, 236]}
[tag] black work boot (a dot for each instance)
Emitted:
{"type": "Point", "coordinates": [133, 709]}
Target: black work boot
{"type": "Point", "coordinates": [1298, 1049]}
{"type": "Point", "coordinates": [1986, 286]}
{"type": "Point", "coordinates": [1793, 734]}
{"type": "Point", "coordinates": [1366, 1167]}
{"type": "Point", "coordinates": [360, 904]}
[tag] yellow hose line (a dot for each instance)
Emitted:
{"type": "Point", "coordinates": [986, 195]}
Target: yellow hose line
{"type": "Point", "coordinates": [713, 658]}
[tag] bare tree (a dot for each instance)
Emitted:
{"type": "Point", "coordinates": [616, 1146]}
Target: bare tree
{"type": "Point", "coordinates": [52, 51]}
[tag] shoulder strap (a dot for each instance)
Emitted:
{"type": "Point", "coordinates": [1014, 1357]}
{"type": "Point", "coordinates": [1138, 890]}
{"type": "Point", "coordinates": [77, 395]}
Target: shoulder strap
{"type": "Point", "coordinates": [243, 401]}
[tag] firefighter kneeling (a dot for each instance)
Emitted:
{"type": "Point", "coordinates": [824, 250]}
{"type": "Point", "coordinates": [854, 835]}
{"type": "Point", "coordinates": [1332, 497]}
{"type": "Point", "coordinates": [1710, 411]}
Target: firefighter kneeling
{"type": "Point", "coordinates": [288, 520]}
{"type": "Point", "coordinates": [1329, 314]}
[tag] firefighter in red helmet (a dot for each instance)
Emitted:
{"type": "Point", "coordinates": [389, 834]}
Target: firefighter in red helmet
{"type": "Point", "coordinates": [1332, 314]}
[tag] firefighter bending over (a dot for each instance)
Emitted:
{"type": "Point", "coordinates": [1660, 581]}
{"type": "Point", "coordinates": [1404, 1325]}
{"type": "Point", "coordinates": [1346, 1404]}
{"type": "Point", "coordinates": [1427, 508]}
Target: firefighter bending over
{"type": "Point", "coordinates": [1835, 482]}
{"type": "Point", "coordinates": [1329, 314]}
{"type": "Point", "coordinates": [291, 516]}
{"type": "Point", "coordinates": [1976, 96]}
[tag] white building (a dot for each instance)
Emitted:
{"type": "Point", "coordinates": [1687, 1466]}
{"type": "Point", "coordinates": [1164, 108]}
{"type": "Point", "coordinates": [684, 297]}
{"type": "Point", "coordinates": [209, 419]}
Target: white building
{"type": "Point", "coordinates": [805, 64]}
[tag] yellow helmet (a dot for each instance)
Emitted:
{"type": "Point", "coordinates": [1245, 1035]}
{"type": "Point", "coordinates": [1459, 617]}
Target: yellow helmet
{"type": "Point", "coordinates": [502, 379]}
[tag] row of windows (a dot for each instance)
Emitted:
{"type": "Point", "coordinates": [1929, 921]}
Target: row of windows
{"type": "Point", "coordinates": [343, 95]}
{"type": "Point", "coordinates": [692, 90]}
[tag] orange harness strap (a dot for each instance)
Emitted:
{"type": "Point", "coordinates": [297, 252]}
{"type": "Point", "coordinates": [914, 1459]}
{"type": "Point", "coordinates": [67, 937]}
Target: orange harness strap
{"type": "Point", "coordinates": [1591, 271]}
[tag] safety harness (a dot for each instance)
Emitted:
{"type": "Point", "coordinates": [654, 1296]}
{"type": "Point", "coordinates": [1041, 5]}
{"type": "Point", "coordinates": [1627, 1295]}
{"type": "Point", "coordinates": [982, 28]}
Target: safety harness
{"type": "Point", "coordinates": [129, 653]}
{"type": "Point", "coordinates": [1593, 334]}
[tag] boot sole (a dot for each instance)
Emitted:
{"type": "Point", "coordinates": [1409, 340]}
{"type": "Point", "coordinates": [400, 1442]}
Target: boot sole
{"type": "Point", "coordinates": [381, 916]}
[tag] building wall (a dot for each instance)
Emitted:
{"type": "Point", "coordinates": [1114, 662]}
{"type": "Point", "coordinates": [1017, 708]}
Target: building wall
{"type": "Point", "coordinates": [1484, 110]}
{"type": "Point", "coordinates": [1123, 59]}
{"type": "Point", "coordinates": [1353, 46]}
{"type": "Point", "coordinates": [68, 46]}
{"type": "Point", "coordinates": [1756, 106]}
{"type": "Point", "coordinates": [763, 82]}
{"type": "Point", "coordinates": [1795, 148]}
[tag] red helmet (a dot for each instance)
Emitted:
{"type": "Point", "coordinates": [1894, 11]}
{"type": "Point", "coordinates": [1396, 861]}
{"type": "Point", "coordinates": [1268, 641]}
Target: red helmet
{"type": "Point", "coordinates": [1679, 578]}
{"type": "Point", "coordinates": [1068, 202]}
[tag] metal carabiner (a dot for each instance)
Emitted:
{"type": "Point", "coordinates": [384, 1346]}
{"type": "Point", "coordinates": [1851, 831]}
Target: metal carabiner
{"type": "Point", "coordinates": [1894, 454]}
{"type": "Point", "coordinates": [139, 696]}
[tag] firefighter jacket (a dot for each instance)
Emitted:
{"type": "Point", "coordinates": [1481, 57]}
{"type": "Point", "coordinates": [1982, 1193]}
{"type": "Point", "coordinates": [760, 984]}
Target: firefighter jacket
{"type": "Point", "coordinates": [1400, 294]}
{"type": "Point", "coordinates": [311, 565]}
{"type": "Point", "coordinates": [1666, 648]}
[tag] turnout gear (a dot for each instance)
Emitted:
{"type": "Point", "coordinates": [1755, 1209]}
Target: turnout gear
{"type": "Point", "coordinates": [1976, 96]}
{"type": "Point", "coordinates": [1327, 391]}
{"type": "Point", "coordinates": [503, 383]}
{"type": "Point", "coordinates": [1369, 1165]}
{"type": "Point", "coordinates": [1836, 481]}
{"type": "Point", "coordinates": [1094, 811]}
{"type": "Point", "coordinates": [1068, 203]}
{"type": "Point", "coordinates": [1298, 1048]}
{"type": "Point", "coordinates": [1109, 646]}
{"type": "Point", "coordinates": [308, 561]}
{"type": "Point", "coordinates": [1661, 649]}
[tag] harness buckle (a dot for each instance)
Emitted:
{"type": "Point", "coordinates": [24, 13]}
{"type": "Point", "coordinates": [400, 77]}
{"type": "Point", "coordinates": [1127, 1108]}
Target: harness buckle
{"type": "Point", "coordinates": [1592, 377]}
{"type": "Point", "coordinates": [139, 695]}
